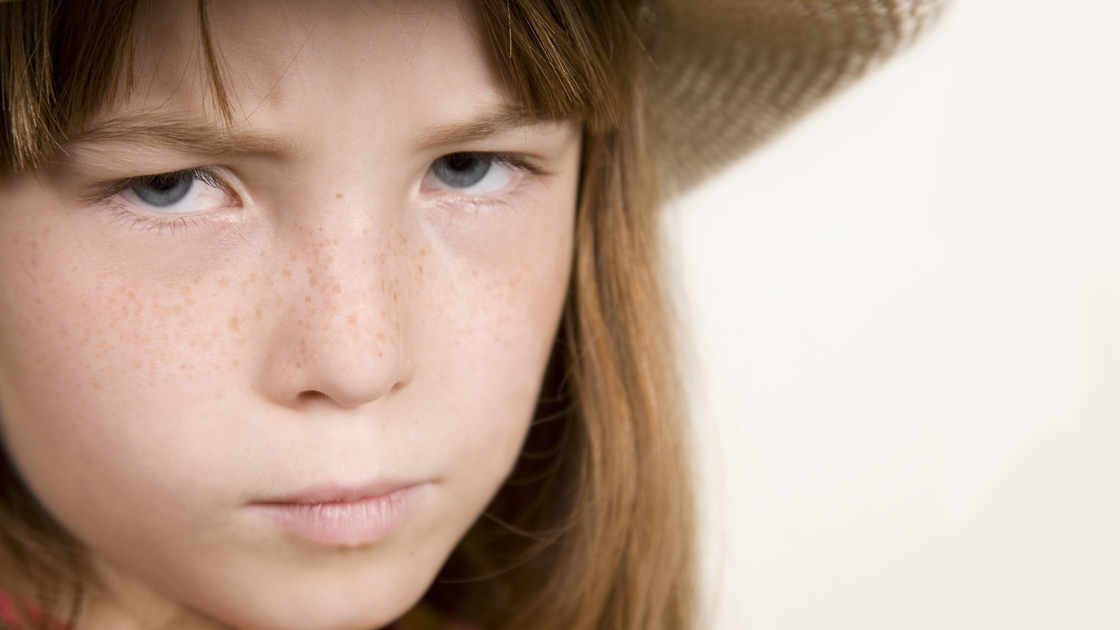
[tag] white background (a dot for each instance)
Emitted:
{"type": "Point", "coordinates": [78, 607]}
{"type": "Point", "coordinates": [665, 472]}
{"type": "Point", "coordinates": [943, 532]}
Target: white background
{"type": "Point", "coordinates": [904, 320]}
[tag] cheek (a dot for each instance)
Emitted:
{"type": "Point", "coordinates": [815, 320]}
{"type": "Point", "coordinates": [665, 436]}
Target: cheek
{"type": "Point", "coordinates": [491, 331]}
{"type": "Point", "coordinates": [103, 355]}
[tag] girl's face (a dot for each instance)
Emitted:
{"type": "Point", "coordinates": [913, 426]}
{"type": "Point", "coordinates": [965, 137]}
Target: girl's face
{"type": "Point", "coordinates": [276, 385]}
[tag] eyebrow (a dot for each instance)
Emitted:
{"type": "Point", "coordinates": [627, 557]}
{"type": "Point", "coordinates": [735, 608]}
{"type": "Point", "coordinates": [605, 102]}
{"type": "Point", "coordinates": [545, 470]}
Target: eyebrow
{"type": "Point", "coordinates": [213, 140]}
{"type": "Point", "coordinates": [506, 118]}
{"type": "Point", "coordinates": [177, 133]}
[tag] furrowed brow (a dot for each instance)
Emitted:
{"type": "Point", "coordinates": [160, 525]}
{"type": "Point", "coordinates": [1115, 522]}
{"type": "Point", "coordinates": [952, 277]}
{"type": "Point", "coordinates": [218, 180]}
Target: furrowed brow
{"type": "Point", "coordinates": [178, 134]}
{"type": "Point", "coordinates": [507, 118]}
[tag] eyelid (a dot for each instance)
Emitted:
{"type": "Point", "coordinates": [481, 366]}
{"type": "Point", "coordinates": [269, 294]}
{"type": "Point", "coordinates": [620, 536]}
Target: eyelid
{"type": "Point", "coordinates": [107, 190]}
{"type": "Point", "coordinates": [521, 161]}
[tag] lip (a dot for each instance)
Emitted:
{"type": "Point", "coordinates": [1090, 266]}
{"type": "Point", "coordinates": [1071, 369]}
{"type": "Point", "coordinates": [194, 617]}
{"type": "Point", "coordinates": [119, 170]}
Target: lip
{"type": "Point", "coordinates": [343, 517]}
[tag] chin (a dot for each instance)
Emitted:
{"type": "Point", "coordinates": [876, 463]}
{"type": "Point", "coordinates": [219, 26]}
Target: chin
{"type": "Point", "coordinates": [323, 598]}
{"type": "Point", "coordinates": [339, 610]}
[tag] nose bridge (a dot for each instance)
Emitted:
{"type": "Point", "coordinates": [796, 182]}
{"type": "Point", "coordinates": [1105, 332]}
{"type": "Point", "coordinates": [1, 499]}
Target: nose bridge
{"type": "Point", "coordinates": [341, 330]}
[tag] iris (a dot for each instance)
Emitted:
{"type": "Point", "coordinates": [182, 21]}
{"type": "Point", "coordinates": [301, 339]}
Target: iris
{"type": "Point", "coordinates": [166, 189]}
{"type": "Point", "coordinates": [461, 170]}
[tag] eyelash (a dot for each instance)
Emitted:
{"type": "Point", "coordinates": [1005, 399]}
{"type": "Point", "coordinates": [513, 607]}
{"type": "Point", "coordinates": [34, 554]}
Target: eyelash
{"type": "Point", "coordinates": [207, 175]}
{"type": "Point", "coordinates": [151, 222]}
{"type": "Point", "coordinates": [513, 160]}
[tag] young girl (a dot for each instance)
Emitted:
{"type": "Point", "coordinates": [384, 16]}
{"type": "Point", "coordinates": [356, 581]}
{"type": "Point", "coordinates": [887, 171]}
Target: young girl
{"type": "Point", "coordinates": [310, 312]}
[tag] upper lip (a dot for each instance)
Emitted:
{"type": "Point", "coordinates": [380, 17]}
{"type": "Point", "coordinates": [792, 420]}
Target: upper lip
{"type": "Point", "coordinates": [340, 493]}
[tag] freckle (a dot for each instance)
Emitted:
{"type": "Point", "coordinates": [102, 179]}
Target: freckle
{"type": "Point", "coordinates": [352, 320]}
{"type": "Point", "coordinates": [293, 258]}
{"type": "Point", "coordinates": [394, 297]}
{"type": "Point", "coordinates": [222, 282]}
{"type": "Point", "coordinates": [383, 312]}
{"type": "Point", "coordinates": [34, 244]}
{"type": "Point", "coordinates": [307, 298]}
{"type": "Point", "coordinates": [262, 253]}
{"type": "Point", "coordinates": [379, 355]}
{"type": "Point", "coordinates": [252, 277]}
{"type": "Point", "coordinates": [337, 288]}
{"type": "Point", "coordinates": [235, 363]}
{"type": "Point", "coordinates": [338, 195]}
{"type": "Point", "coordinates": [312, 281]}
{"type": "Point", "coordinates": [474, 274]}
{"type": "Point", "coordinates": [421, 268]}
{"type": "Point", "coordinates": [365, 231]}
{"type": "Point", "coordinates": [320, 229]}
{"type": "Point", "coordinates": [286, 273]}
{"type": "Point", "coordinates": [298, 364]}
{"type": "Point", "coordinates": [259, 315]}
{"type": "Point", "coordinates": [234, 324]}
{"type": "Point", "coordinates": [381, 336]}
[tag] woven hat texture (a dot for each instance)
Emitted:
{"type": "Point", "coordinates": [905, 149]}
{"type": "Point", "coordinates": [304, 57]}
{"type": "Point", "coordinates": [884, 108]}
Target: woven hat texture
{"type": "Point", "coordinates": [731, 73]}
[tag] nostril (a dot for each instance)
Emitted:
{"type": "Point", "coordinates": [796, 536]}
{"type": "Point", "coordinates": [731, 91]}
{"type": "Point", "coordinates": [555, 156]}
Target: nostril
{"type": "Point", "coordinates": [311, 395]}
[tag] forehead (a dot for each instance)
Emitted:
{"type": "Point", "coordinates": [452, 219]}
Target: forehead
{"type": "Point", "coordinates": [288, 62]}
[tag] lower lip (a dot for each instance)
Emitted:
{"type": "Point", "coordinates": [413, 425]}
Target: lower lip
{"type": "Point", "coordinates": [345, 523]}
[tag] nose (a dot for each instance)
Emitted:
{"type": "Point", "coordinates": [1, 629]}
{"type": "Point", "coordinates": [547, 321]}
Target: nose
{"type": "Point", "coordinates": [338, 336]}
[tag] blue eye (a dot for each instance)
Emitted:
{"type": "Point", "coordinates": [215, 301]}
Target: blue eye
{"type": "Point", "coordinates": [461, 170]}
{"type": "Point", "coordinates": [165, 189]}
{"type": "Point", "coordinates": [179, 192]}
{"type": "Point", "coordinates": [472, 173]}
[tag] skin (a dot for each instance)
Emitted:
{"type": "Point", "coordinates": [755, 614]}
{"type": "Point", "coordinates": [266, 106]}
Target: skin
{"type": "Point", "coordinates": [331, 316]}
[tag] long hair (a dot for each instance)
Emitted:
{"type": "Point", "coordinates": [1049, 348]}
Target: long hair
{"type": "Point", "coordinates": [594, 528]}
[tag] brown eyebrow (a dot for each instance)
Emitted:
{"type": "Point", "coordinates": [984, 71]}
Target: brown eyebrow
{"type": "Point", "coordinates": [507, 118]}
{"type": "Point", "coordinates": [177, 133]}
{"type": "Point", "coordinates": [214, 140]}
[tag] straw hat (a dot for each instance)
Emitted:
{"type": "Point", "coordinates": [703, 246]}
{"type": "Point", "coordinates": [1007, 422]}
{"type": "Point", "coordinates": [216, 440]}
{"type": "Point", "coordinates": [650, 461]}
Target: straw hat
{"type": "Point", "coordinates": [731, 73]}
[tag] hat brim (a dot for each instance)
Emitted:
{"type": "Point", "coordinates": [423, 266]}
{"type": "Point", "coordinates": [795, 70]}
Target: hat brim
{"type": "Point", "coordinates": [728, 74]}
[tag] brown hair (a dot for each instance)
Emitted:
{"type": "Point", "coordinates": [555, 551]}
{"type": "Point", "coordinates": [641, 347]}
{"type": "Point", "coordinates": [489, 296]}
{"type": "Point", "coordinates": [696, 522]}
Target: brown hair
{"type": "Point", "coordinates": [594, 527]}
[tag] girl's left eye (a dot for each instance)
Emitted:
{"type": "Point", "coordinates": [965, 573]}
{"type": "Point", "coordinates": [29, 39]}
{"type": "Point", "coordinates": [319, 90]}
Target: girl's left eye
{"type": "Point", "coordinates": [180, 192]}
{"type": "Point", "coordinates": [473, 173]}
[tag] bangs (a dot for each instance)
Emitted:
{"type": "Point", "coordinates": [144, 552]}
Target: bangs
{"type": "Point", "coordinates": [61, 62]}
{"type": "Point", "coordinates": [576, 59]}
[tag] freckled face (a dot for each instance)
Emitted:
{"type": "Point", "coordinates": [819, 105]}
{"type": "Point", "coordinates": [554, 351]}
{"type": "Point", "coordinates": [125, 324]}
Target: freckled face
{"type": "Point", "coordinates": [354, 290]}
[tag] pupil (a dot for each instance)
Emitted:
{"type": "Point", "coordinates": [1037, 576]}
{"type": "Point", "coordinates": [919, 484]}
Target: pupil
{"type": "Point", "coordinates": [461, 161]}
{"type": "Point", "coordinates": [163, 183]}
{"type": "Point", "coordinates": [461, 170]}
